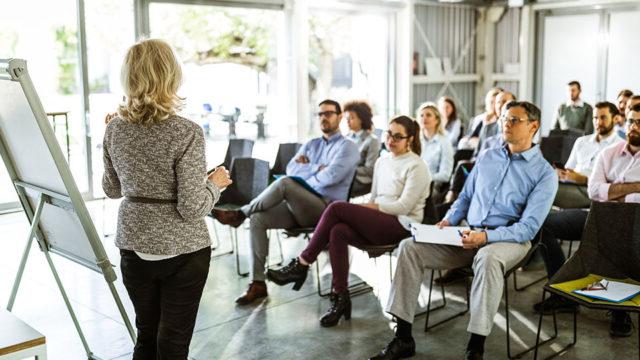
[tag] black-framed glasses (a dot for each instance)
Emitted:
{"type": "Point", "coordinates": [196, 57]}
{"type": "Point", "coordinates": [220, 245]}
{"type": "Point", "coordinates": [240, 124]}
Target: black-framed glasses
{"type": "Point", "coordinates": [513, 120]}
{"type": "Point", "coordinates": [396, 137]}
{"type": "Point", "coordinates": [635, 122]}
{"type": "Point", "coordinates": [327, 113]}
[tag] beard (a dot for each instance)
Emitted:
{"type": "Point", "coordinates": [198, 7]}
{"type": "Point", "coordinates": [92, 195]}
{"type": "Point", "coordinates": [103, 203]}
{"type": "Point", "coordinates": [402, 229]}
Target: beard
{"type": "Point", "coordinates": [633, 138]}
{"type": "Point", "coordinates": [326, 128]}
{"type": "Point", "coordinates": [605, 131]}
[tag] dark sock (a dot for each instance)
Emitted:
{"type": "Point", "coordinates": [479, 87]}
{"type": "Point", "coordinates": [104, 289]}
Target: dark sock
{"type": "Point", "coordinates": [403, 331]}
{"type": "Point", "coordinates": [476, 343]}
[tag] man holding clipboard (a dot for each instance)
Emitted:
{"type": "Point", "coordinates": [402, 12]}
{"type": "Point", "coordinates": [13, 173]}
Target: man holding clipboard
{"type": "Point", "coordinates": [505, 199]}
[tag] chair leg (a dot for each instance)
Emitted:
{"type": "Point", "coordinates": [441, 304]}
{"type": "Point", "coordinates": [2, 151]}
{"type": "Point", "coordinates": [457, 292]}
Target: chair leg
{"type": "Point", "coordinates": [541, 247]}
{"type": "Point", "coordinates": [234, 239]}
{"type": "Point", "coordinates": [428, 327]}
{"type": "Point", "coordinates": [528, 349]}
{"type": "Point", "coordinates": [279, 248]}
{"type": "Point", "coordinates": [555, 328]}
{"type": "Point", "coordinates": [217, 242]}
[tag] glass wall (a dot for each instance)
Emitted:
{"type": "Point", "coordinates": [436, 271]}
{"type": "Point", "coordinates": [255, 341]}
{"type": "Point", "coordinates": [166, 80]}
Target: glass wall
{"type": "Point", "coordinates": [350, 58]}
{"type": "Point", "coordinates": [110, 32]}
{"type": "Point", "coordinates": [45, 34]}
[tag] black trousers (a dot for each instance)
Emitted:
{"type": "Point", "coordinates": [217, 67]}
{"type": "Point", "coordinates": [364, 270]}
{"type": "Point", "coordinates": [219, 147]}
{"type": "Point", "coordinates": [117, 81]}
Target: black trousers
{"type": "Point", "coordinates": [566, 225]}
{"type": "Point", "coordinates": [165, 295]}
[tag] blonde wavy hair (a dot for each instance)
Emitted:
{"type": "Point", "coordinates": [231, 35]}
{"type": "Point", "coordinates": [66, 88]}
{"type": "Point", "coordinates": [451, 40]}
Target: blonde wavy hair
{"type": "Point", "coordinates": [151, 75]}
{"type": "Point", "coordinates": [433, 107]}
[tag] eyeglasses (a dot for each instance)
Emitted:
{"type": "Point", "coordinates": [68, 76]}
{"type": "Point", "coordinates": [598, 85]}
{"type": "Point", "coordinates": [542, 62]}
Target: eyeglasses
{"type": "Point", "coordinates": [396, 137]}
{"type": "Point", "coordinates": [598, 285]}
{"type": "Point", "coordinates": [635, 122]}
{"type": "Point", "coordinates": [326, 113]}
{"type": "Point", "coordinates": [513, 120]}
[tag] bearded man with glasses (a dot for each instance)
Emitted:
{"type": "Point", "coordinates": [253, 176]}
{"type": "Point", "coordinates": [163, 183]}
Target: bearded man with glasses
{"type": "Point", "coordinates": [615, 177]}
{"type": "Point", "coordinates": [323, 169]}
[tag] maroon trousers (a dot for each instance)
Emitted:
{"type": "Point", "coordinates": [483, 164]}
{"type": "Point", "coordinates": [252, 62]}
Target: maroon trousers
{"type": "Point", "coordinates": [344, 224]}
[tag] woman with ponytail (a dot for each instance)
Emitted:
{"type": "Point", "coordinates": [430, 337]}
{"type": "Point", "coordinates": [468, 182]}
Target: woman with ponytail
{"type": "Point", "coordinates": [401, 182]}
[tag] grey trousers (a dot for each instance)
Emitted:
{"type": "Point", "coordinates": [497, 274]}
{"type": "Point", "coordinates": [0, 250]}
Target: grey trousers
{"type": "Point", "coordinates": [489, 264]}
{"type": "Point", "coordinates": [284, 204]}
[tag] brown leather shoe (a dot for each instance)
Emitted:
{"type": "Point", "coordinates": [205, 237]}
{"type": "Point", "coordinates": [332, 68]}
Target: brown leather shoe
{"type": "Point", "coordinates": [256, 290]}
{"type": "Point", "coordinates": [233, 218]}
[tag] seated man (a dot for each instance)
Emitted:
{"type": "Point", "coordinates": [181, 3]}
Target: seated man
{"type": "Point", "coordinates": [484, 125]}
{"type": "Point", "coordinates": [327, 164]}
{"type": "Point", "coordinates": [615, 177]}
{"type": "Point", "coordinates": [572, 192]}
{"type": "Point", "coordinates": [506, 198]}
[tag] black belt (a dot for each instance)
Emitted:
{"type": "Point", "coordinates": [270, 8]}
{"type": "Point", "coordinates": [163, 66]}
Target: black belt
{"type": "Point", "coordinates": [146, 200]}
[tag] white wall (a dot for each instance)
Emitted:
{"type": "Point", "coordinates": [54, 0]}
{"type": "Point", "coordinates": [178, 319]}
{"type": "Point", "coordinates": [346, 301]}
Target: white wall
{"type": "Point", "coordinates": [569, 53]}
{"type": "Point", "coordinates": [623, 70]}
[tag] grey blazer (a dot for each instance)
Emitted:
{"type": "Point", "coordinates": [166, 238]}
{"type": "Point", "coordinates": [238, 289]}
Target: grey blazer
{"type": "Point", "coordinates": [160, 161]}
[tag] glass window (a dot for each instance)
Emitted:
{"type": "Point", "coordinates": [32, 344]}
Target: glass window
{"type": "Point", "coordinates": [45, 34]}
{"type": "Point", "coordinates": [230, 71]}
{"type": "Point", "coordinates": [349, 59]}
{"type": "Point", "coordinates": [110, 32]}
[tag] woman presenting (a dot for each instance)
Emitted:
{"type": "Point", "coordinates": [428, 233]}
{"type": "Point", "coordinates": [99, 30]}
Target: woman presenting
{"type": "Point", "coordinates": [156, 161]}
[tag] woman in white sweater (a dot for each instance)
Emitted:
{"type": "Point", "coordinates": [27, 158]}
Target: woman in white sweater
{"type": "Point", "coordinates": [401, 182]}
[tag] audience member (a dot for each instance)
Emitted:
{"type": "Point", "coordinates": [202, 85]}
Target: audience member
{"type": "Point", "coordinates": [436, 148]}
{"type": "Point", "coordinates": [359, 115]}
{"type": "Point", "coordinates": [505, 200]}
{"type": "Point", "coordinates": [400, 188]}
{"type": "Point", "coordinates": [485, 123]}
{"type": "Point", "coordinates": [622, 99]}
{"type": "Point", "coordinates": [574, 175]}
{"type": "Point", "coordinates": [575, 113]}
{"type": "Point", "coordinates": [326, 164]}
{"type": "Point", "coordinates": [615, 177]}
{"type": "Point", "coordinates": [452, 124]}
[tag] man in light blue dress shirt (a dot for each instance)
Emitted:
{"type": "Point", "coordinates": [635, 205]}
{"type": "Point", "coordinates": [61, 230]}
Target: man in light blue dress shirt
{"type": "Point", "coordinates": [321, 172]}
{"type": "Point", "coordinates": [505, 200]}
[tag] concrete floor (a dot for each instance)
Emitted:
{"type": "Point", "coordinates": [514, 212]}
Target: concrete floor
{"type": "Point", "coordinates": [283, 327]}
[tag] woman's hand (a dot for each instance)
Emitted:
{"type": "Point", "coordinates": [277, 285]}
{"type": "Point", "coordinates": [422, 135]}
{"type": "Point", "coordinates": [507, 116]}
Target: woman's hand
{"type": "Point", "coordinates": [443, 223]}
{"type": "Point", "coordinates": [220, 177]}
{"type": "Point", "coordinates": [371, 206]}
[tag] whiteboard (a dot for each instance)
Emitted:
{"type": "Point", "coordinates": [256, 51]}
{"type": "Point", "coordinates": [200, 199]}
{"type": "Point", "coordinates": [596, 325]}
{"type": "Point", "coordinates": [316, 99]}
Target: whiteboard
{"type": "Point", "coordinates": [33, 157]}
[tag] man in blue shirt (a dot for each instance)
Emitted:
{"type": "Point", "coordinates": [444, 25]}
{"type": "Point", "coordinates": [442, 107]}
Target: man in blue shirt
{"type": "Point", "coordinates": [323, 169]}
{"type": "Point", "coordinates": [505, 200]}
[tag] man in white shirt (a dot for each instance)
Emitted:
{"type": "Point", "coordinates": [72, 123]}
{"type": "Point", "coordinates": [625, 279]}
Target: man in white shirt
{"type": "Point", "coordinates": [615, 177]}
{"type": "Point", "coordinates": [572, 192]}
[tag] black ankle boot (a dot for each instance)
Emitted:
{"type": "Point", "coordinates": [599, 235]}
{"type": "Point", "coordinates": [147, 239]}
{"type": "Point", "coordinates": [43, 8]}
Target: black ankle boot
{"type": "Point", "coordinates": [295, 272]}
{"type": "Point", "coordinates": [340, 305]}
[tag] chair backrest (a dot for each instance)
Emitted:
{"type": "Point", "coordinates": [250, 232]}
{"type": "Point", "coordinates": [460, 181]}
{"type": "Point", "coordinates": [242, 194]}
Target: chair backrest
{"type": "Point", "coordinates": [237, 148]}
{"type": "Point", "coordinates": [286, 152]}
{"type": "Point", "coordinates": [461, 155]}
{"type": "Point", "coordinates": [430, 215]}
{"type": "Point", "coordinates": [557, 147]}
{"type": "Point", "coordinates": [250, 177]}
{"type": "Point", "coordinates": [610, 244]}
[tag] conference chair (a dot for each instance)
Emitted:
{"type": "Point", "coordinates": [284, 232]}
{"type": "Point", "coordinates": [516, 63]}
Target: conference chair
{"type": "Point", "coordinates": [535, 245]}
{"type": "Point", "coordinates": [609, 248]}
{"type": "Point", "coordinates": [250, 177]}
{"type": "Point", "coordinates": [286, 152]}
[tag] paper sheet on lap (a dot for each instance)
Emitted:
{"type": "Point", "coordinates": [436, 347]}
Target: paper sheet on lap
{"type": "Point", "coordinates": [448, 235]}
